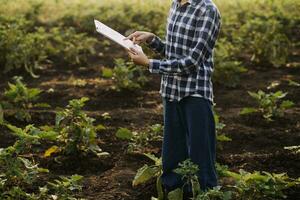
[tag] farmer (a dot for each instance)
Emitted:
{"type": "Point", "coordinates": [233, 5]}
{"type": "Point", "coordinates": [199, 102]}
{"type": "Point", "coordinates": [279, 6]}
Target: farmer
{"type": "Point", "coordinates": [186, 87]}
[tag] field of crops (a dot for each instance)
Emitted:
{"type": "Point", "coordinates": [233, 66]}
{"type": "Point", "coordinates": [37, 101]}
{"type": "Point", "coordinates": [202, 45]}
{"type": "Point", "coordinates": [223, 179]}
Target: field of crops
{"type": "Point", "coordinates": [78, 120]}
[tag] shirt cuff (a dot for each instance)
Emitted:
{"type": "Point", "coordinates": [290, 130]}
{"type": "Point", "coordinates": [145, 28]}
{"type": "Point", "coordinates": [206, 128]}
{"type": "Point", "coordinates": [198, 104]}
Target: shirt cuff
{"type": "Point", "coordinates": [154, 66]}
{"type": "Point", "coordinates": [154, 42]}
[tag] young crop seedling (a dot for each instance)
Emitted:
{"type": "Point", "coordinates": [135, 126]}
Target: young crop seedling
{"type": "Point", "coordinates": [146, 173]}
{"type": "Point", "coordinates": [189, 171]}
{"type": "Point", "coordinates": [270, 105]}
{"type": "Point", "coordinates": [221, 137]}
{"type": "Point", "coordinates": [140, 140]}
{"type": "Point", "coordinates": [19, 99]}
{"type": "Point", "coordinates": [17, 172]}
{"type": "Point", "coordinates": [125, 75]}
{"type": "Point", "coordinates": [77, 133]}
{"type": "Point", "coordinates": [257, 185]}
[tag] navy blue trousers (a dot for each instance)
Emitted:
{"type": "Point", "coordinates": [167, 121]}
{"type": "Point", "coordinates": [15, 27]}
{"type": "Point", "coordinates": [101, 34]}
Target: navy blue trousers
{"type": "Point", "coordinates": [189, 132]}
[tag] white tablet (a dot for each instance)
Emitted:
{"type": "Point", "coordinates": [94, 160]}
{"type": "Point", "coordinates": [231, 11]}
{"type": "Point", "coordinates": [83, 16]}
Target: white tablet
{"type": "Point", "coordinates": [115, 36]}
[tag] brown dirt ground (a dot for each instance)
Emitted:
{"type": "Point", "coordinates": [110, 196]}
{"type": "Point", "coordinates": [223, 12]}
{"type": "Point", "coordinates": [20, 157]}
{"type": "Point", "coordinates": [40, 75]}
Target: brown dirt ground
{"type": "Point", "coordinates": [256, 144]}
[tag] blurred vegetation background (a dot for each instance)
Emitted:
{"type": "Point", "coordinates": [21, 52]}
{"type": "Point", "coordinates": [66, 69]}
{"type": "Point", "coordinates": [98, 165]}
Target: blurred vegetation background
{"type": "Point", "coordinates": [255, 33]}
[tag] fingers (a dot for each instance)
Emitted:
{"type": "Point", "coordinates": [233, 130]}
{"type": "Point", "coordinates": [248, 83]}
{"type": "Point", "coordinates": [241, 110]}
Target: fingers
{"type": "Point", "coordinates": [133, 35]}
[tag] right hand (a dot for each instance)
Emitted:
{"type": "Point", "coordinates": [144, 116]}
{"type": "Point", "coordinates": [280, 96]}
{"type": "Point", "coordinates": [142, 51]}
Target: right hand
{"type": "Point", "coordinates": [139, 37]}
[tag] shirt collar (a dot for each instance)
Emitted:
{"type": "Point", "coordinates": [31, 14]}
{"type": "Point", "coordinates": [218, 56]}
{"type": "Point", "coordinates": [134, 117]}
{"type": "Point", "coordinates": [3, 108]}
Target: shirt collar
{"type": "Point", "coordinates": [192, 2]}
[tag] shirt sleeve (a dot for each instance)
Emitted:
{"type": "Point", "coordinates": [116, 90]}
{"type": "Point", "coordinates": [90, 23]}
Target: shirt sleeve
{"type": "Point", "coordinates": [206, 31]}
{"type": "Point", "coordinates": [158, 45]}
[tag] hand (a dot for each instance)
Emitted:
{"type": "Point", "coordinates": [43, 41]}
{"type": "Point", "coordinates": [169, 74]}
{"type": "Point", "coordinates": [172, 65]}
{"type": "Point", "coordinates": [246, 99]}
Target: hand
{"type": "Point", "coordinates": [139, 37]}
{"type": "Point", "coordinates": [138, 57]}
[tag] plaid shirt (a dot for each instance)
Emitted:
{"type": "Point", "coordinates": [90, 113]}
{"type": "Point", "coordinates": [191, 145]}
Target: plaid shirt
{"type": "Point", "coordinates": [192, 30]}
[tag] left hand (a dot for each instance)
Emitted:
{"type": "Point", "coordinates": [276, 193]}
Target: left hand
{"type": "Point", "coordinates": [138, 57]}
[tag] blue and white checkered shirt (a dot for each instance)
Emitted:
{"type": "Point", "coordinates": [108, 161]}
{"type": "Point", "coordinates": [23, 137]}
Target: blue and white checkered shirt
{"type": "Point", "coordinates": [192, 30]}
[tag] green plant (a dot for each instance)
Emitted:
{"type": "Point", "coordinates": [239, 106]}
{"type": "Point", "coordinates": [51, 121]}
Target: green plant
{"type": "Point", "coordinates": [146, 173]}
{"type": "Point", "coordinates": [189, 173]}
{"type": "Point", "coordinates": [18, 171]}
{"type": "Point", "coordinates": [21, 45]}
{"type": "Point", "coordinates": [227, 68]}
{"type": "Point", "coordinates": [265, 40]}
{"type": "Point", "coordinates": [294, 149]}
{"type": "Point", "coordinates": [68, 45]}
{"type": "Point", "coordinates": [65, 187]}
{"type": "Point", "coordinates": [77, 133]}
{"type": "Point", "coordinates": [221, 137]}
{"type": "Point", "coordinates": [125, 75]}
{"type": "Point", "coordinates": [140, 140]}
{"type": "Point", "coordinates": [269, 104]}
{"type": "Point", "coordinates": [18, 99]}
{"type": "Point", "coordinates": [257, 185]}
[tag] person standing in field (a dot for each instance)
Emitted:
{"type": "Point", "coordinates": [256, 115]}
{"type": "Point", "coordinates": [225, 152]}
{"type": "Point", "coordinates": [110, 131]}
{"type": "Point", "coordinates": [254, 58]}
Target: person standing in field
{"type": "Point", "coordinates": [186, 87]}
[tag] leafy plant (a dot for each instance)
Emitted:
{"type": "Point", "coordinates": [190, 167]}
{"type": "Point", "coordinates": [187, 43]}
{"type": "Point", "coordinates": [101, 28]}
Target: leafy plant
{"type": "Point", "coordinates": [265, 39]}
{"type": "Point", "coordinates": [68, 45]}
{"type": "Point", "coordinates": [146, 173]}
{"type": "Point", "coordinates": [17, 171]}
{"type": "Point", "coordinates": [125, 75]}
{"type": "Point", "coordinates": [257, 185]}
{"type": "Point", "coordinates": [140, 140]}
{"type": "Point", "coordinates": [227, 68]}
{"type": "Point", "coordinates": [21, 45]}
{"type": "Point", "coordinates": [76, 131]}
{"type": "Point", "coordinates": [269, 104]}
{"type": "Point", "coordinates": [18, 99]}
{"type": "Point", "coordinates": [221, 137]}
{"type": "Point", "coordinates": [188, 171]}
{"type": "Point", "coordinates": [65, 187]}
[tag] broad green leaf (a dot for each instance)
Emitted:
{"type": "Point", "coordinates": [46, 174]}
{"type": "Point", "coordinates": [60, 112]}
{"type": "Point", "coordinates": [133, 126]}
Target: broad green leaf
{"type": "Point", "coordinates": [124, 134]}
{"type": "Point", "coordinates": [293, 83]}
{"type": "Point", "coordinates": [256, 95]}
{"type": "Point", "coordinates": [159, 188]}
{"type": "Point", "coordinates": [246, 111]}
{"type": "Point", "coordinates": [144, 174]}
{"type": "Point", "coordinates": [107, 72]}
{"type": "Point", "coordinates": [287, 104]}
{"type": "Point", "coordinates": [223, 138]}
{"type": "Point", "coordinates": [20, 133]}
{"type": "Point", "coordinates": [176, 194]}
{"type": "Point", "coordinates": [51, 150]}
{"type": "Point", "coordinates": [42, 105]}
{"type": "Point", "coordinates": [280, 94]}
{"type": "Point", "coordinates": [48, 135]}
{"type": "Point", "coordinates": [152, 157]}
{"type": "Point", "coordinates": [43, 170]}
{"type": "Point", "coordinates": [100, 127]}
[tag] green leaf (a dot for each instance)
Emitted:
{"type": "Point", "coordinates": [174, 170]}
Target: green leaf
{"type": "Point", "coordinates": [293, 83]}
{"type": "Point", "coordinates": [223, 138]}
{"type": "Point", "coordinates": [107, 72]}
{"type": "Point", "coordinates": [159, 188]}
{"type": "Point", "coordinates": [246, 111]}
{"type": "Point", "coordinates": [41, 105]}
{"type": "Point", "coordinates": [100, 127]}
{"type": "Point", "coordinates": [1, 115]}
{"type": "Point", "coordinates": [124, 134]}
{"type": "Point", "coordinates": [287, 104]}
{"type": "Point", "coordinates": [51, 150]}
{"type": "Point", "coordinates": [176, 194]}
{"type": "Point", "coordinates": [152, 157]}
{"type": "Point", "coordinates": [144, 174]}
